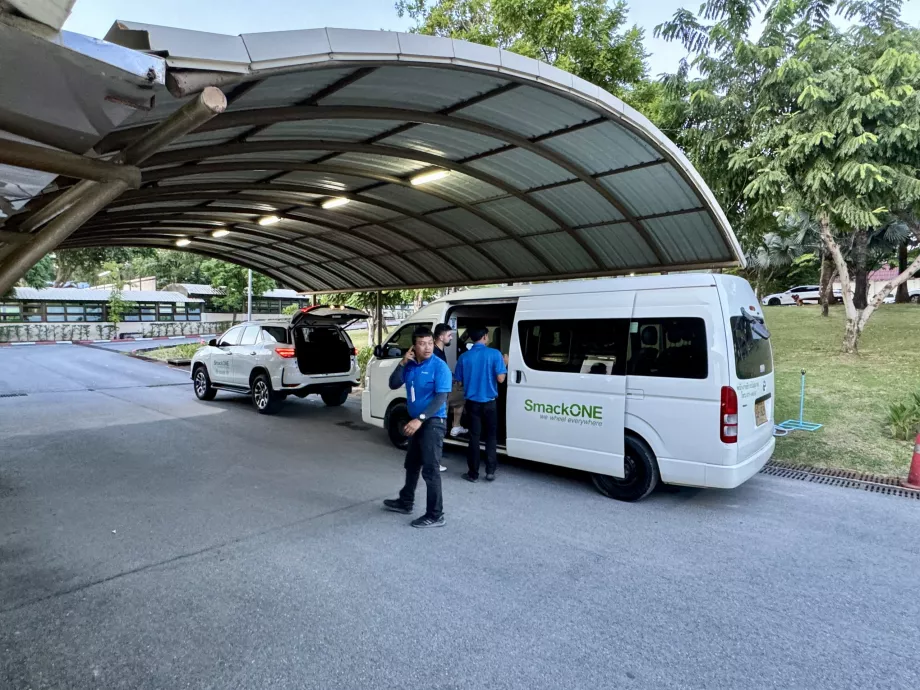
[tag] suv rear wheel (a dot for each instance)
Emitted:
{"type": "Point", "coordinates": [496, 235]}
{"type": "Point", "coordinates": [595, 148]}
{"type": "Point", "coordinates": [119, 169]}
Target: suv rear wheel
{"type": "Point", "coordinates": [202, 382]}
{"type": "Point", "coordinates": [266, 401]}
{"type": "Point", "coordinates": [334, 398]}
{"type": "Point", "coordinates": [641, 473]}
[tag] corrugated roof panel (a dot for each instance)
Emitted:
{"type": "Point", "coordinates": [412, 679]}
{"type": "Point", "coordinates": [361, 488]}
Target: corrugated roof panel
{"type": "Point", "coordinates": [273, 233]}
{"type": "Point", "coordinates": [413, 199]}
{"type": "Point", "coordinates": [386, 164]}
{"type": "Point", "coordinates": [689, 238]}
{"type": "Point", "coordinates": [411, 273]}
{"type": "Point", "coordinates": [464, 188]}
{"type": "Point", "coordinates": [95, 295]}
{"type": "Point", "coordinates": [396, 241]}
{"type": "Point", "coordinates": [154, 205]}
{"type": "Point", "coordinates": [365, 211]}
{"type": "Point", "coordinates": [423, 233]}
{"type": "Point", "coordinates": [578, 204]}
{"type": "Point", "coordinates": [468, 226]}
{"type": "Point", "coordinates": [336, 282]}
{"type": "Point", "coordinates": [345, 271]}
{"type": "Point", "coordinates": [255, 206]}
{"type": "Point", "coordinates": [563, 252]}
{"type": "Point", "coordinates": [332, 250]}
{"type": "Point", "coordinates": [325, 130]}
{"type": "Point", "coordinates": [421, 88]}
{"type": "Point", "coordinates": [521, 168]}
{"type": "Point", "coordinates": [603, 147]}
{"type": "Point", "coordinates": [517, 216]}
{"type": "Point", "coordinates": [217, 136]}
{"type": "Point", "coordinates": [331, 181]}
{"type": "Point", "coordinates": [528, 111]}
{"type": "Point", "coordinates": [297, 228]}
{"type": "Point", "coordinates": [203, 178]}
{"type": "Point", "coordinates": [356, 243]}
{"type": "Point", "coordinates": [619, 246]}
{"type": "Point", "coordinates": [321, 218]}
{"type": "Point", "coordinates": [646, 191]}
{"type": "Point", "coordinates": [301, 278]}
{"type": "Point", "coordinates": [297, 156]}
{"type": "Point", "coordinates": [299, 254]}
{"type": "Point", "coordinates": [474, 263]}
{"type": "Point", "coordinates": [264, 257]}
{"type": "Point", "coordinates": [438, 266]}
{"type": "Point", "coordinates": [375, 271]}
{"type": "Point", "coordinates": [284, 258]}
{"type": "Point", "coordinates": [515, 258]}
{"type": "Point", "coordinates": [288, 89]}
{"type": "Point", "coordinates": [443, 141]}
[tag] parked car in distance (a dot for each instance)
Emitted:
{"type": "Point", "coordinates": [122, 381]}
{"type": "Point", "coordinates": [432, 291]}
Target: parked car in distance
{"type": "Point", "coordinates": [271, 360]}
{"type": "Point", "coordinates": [803, 292]}
{"type": "Point", "coordinates": [914, 296]}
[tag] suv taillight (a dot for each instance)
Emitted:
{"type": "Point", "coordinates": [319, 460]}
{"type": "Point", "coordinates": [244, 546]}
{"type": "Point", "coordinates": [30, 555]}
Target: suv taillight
{"type": "Point", "coordinates": [354, 351]}
{"type": "Point", "coordinates": [728, 416]}
{"type": "Point", "coordinates": [286, 352]}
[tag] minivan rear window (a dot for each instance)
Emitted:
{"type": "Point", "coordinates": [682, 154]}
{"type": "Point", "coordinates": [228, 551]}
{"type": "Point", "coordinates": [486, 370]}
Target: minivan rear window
{"type": "Point", "coordinates": [753, 353]}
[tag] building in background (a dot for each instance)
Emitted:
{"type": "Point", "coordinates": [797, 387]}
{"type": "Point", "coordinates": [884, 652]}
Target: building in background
{"type": "Point", "coordinates": [269, 305]}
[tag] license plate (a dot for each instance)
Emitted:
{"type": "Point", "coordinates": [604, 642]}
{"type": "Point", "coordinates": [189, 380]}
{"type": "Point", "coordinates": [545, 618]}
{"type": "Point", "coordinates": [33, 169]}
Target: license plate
{"type": "Point", "coordinates": [760, 412]}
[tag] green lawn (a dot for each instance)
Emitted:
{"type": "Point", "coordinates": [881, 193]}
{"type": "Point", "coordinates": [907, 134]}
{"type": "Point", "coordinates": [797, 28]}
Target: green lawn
{"type": "Point", "coordinates": [848, 394]}
{"type": "Point", "coordinates": [174, 352]}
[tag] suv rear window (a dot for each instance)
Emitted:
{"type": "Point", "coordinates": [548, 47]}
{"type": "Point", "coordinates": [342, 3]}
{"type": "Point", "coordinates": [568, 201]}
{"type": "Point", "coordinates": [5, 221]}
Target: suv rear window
{"type": "Point", "coordinates": [753, 353]}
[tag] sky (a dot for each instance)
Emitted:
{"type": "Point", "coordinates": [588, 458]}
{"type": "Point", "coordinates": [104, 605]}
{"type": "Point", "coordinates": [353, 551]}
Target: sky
{"type": "Point", "coordinates": [233, 17]}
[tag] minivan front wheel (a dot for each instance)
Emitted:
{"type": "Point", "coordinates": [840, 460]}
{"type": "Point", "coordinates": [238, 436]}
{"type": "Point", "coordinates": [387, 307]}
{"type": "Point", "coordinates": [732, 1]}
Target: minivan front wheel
{"type": "Point", "coordinates": [641, 473]}
{"type": "Point", "coordinates": [397, 418]}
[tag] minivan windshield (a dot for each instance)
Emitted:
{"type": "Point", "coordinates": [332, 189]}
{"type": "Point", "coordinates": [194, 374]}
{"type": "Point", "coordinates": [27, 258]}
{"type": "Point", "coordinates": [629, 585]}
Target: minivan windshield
{"type": "Point", "coordinates": [753, 354]}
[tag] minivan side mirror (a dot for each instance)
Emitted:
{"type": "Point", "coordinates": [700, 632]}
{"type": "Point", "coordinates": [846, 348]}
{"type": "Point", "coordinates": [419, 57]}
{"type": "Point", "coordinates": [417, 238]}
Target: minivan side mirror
{"type": "Point", "coordinates": [394, 353]}
{"type": "Point", "coordinates": [212, 342]}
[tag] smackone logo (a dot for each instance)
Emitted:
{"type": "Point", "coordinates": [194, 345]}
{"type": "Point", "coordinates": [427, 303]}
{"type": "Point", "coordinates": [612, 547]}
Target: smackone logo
{"type": "Point", "coordinates": [573, 413]}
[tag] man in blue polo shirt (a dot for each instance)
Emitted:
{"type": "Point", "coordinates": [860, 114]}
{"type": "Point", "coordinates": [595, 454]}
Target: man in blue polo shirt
{"type": "Point", "coordinates": [428, 383]}
{"type": "Point", "coordinates": [481, 369]}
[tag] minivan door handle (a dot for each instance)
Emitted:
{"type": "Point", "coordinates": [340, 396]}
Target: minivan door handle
{"type": "Point", "coordinates": [518, 376]}
{"type": "Point", "coordinates": [635, 394]}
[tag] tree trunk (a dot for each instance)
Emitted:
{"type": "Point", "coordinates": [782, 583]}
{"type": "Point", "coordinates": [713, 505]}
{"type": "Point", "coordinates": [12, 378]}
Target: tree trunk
{"type": "Point", "coordinates": [860, 270]}
{"type": "Point", "coordinates": [827, 282]}
{"type": "Point", "coordinates": [903, 294]}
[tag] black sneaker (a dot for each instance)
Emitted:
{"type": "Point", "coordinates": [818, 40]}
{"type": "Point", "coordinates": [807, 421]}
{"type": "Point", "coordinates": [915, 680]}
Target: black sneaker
{"type": "Point", "coordinates": [467, 477]}
{"type": "Point", "coordinates": [490, 477]}
{"type": "Point", "coordinates": [428, 521]}
{"type": "Point", "coordinates": [397, 506]}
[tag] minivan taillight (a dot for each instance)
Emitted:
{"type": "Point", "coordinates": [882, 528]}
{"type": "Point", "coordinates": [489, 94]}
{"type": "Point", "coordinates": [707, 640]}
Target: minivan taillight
{"type": "Point", "coordinates": [728, 416]}
{"type": "Point", "coordinates": [286, 352]}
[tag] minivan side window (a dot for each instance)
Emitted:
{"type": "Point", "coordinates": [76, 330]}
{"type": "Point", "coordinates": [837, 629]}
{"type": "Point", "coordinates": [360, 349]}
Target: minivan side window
{"type": "Point", "coordinates": [401, 340]}
{"type": "Point", "coordinates": [668, 347]}
{"type": "Point", "coordinates": [575, 346]}
{"type": "Point", "coordinates": [231, 337]}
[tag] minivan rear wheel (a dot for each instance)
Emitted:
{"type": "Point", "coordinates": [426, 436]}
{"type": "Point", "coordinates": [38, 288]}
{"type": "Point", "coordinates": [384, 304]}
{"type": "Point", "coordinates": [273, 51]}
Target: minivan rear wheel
{"type": "Point", "coordinates": [641, 473]}
{"type": "Point", "coordinates": [397, 418]}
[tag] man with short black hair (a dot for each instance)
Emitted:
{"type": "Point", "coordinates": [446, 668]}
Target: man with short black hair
{"type": "Point", "coordinates": [428, 383]}
{"type": "Point", "coordinates": [443, 336]}
{"type": "Point", "coordinates": [481, 369]}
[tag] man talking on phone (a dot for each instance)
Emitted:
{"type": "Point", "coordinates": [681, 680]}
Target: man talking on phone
{"type": "Point", "coordinates": [428, 382]}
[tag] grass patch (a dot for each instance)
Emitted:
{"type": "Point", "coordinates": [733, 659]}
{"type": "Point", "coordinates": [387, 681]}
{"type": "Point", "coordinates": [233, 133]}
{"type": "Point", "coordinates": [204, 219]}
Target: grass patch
{"type": "Point", "coordinates": [850, 395]}
{"type": "Point", "coordinates": [185, 351]}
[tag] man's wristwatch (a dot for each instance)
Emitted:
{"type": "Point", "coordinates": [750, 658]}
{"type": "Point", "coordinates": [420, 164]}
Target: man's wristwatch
{"type": "Point", "coordinates": [421, 417]}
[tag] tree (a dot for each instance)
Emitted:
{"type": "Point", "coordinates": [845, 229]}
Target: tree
{"type": "Point", "coordinates": [117, 305]}
{"type": "Point", "coordinates": [41, 273]}
{"type": "Point", "coordinates": [367, 301]}
{"type": "Point", "coordinates": [588, 38]}
{"type": "Point", "coordinates": [84, 265]}
{"type": "Point", "coordinates": [234, 280]}
{"type": "Point", "coordinates": [825, 122]}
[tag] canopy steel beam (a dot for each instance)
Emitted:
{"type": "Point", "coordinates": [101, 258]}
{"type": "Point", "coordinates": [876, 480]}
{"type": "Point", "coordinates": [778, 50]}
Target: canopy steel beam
{"type": "Point", "coordinates": [33, 157]}
{"type": "Point", "coordinates": [85, 199]}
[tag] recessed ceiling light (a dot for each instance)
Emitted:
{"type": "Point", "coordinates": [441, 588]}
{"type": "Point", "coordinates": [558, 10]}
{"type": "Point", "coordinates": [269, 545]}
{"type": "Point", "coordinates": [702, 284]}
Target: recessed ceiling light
{"type": "Point", "coordinates": [334, 202]}
{"type": "Point", "coordinates": [184, 242]}
{"type": "Point", "coordinates": [429, 176]}
{"type": "Point", "coordinates": [222, 232]}
{"type": "Point", "coordinates": [268, 220]}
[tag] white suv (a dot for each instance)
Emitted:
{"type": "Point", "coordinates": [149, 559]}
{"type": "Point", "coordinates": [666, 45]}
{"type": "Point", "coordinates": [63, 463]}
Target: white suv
{"type": "Point", "coordinates": [274, 359]}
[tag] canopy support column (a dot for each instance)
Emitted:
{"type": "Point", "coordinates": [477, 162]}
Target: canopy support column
{"type": "Point", "coordinates": [85, 199]}
{"type": "Point", "coordinates": [378, 319]}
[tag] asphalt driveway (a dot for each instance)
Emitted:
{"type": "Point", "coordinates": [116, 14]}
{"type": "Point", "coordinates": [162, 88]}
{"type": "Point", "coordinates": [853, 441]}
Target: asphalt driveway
{"type": "Point", "coordinates": [148, 540]}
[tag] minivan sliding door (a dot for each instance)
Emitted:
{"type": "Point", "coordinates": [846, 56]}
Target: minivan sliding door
{"type": "Point", "coordinates": [567, 380]}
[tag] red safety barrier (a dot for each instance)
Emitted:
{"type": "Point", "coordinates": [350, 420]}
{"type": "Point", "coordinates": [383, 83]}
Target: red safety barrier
{"type": "Point", "coordinates": [913, 477]}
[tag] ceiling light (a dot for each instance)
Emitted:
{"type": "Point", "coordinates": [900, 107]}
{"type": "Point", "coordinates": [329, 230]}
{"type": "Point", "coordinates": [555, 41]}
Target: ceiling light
{"type": "Point", "coordinates": [429, 176]}
{"type": "Point", "coordinates": [184, 242]}
{"type": "Point", "coordinates": [221, 232]}
{"type": "Point", "coordinates": [334, 202]}
{"type": "Point", "coordinates": [268, 220]}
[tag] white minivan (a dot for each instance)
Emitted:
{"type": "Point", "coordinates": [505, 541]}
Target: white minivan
{"type": "Point", "coordinates": [635, 380]}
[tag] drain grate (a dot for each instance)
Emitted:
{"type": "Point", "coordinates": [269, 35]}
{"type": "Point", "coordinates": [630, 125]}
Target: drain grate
{"type": "Point", "coordinates": [13, 395]}
{"type": "Point", "coordinates": [846, 478]}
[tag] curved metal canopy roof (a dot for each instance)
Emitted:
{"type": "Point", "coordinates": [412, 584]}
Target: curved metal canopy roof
{"type": "Point", "coordinates": [549, 177]}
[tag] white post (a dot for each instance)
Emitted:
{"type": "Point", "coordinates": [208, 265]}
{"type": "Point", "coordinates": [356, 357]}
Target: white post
{"type": "Point", "coordinates": [249, 298]}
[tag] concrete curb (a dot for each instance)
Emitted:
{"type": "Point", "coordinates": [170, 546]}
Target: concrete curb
{"type": "Point", "coordinates": [112, 340]}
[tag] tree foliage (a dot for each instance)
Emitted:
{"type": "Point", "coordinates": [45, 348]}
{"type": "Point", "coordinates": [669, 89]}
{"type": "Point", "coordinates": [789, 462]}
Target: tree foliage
{"type": "Point", "coordinates": [589, 38]}
{"type": "Point", "coordinates": [234, 280]}
{"type": "Point", "coordinates": [807, 119]}
{"type": "Point", "coordinates": [41, 273]}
